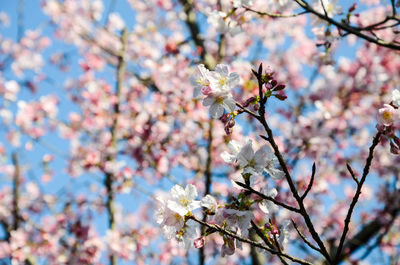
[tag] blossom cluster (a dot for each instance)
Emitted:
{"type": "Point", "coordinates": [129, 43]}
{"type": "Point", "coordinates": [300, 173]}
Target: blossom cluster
{"type": "Point", "coordinates": [388, 119]}
{"type": "Point", "coordinates": [253, 163]}
{"type": "Point", "coordinates": [175, 216]}
{"type": "Point", "coordinates": [216, 86]}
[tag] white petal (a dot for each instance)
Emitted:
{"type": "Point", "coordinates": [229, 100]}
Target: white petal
{"type": "Point", "coordinates": [272, 193]}
{"type": "Point", "coordinates": [203, 70]}
{"type": "Point", "coordinates": [216, 110]}
{"type": "Point", "coordinates": [177, 191]}
{"type": "Point", "coordinates": [246, 154]}
{"type": "Point", "coordinates": [264, 206]}
{"type": "Point", "coordinates": [209, 202]}
{"type": "Point", "coordinates": [191, 191]}
{"type": "Point", "coordinates": [194, 205]}
{"type": "Point", "coordinates": [275, 173]}
{"type": "Point", "coordinates": [233, 80]}
{"type": "Point", "coordinates": [228, 158]}
{"type": "Point", "coordinates": [208, 101]}
{"type": "Point", "coordinates": [222, 69]}
{"type": "Point", "coordinates": [176, 207]}
{"type": "Point", "coordinates": [229, 104]}
{"type": "Point", "coordinates": [234, 147]}
{"type": "Point", "coordinates": [197, 92]}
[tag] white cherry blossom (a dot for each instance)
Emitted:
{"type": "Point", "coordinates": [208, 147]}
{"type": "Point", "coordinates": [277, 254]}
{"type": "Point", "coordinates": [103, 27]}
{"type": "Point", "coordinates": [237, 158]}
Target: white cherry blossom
{"type": "Point", "coordinates": [222, 23]}
{"type": "Point", "coordinates": [234, 148]}
{"type": "Point", "coordinates": [235, 220]}
{"type": "Point", "coordinates": [221, 80]}
{"type": "Point", "coordinates": [271, 163]}
{"type": "Point", "coordinates": [182, 200]}
{"type": "Point", "coordinates": [199, 81]}
{"type": "Point", "coordinates": [239, 3]}
{"type": "Point", "coordinates": [265, 205]}
{"type": "Point", "coordinates": [253, 163]}
{"type": "Point", "coordinates": [209, 202]}
{"type": "Point", "coordinates": [219, 102]}
{"type": "Point", "coordinates": [170, 221]}
{"type": "Point", "coordinates": [396, 97]}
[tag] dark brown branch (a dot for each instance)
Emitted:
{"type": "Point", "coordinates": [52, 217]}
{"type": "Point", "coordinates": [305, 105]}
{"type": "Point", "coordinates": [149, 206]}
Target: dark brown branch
{"type": "Point", "coordinates": [282, 163]}
{"type": "Point", "coordinates": [288, 207]}
{"type": "Point", "coordinates": [248, 241]}
{"type": "Point", "coordinates": [274, 15]}
{"type": "Point", "coordinates": [353, 176]}
{"type": "Point", "coordinates": [303, 237]}
{"type": "Point", "coordinates": [310, 183]}
{"type": "Point", "coordinates": [16, 186]}
{"type": "Point", "coordinates": [366, 233]}
{"type": "Point", "coordinates": [247, 111]}
{"type": "Point", "coordinates": [357, 195]}
{"type": "Point", "coordinates": [194, 29]}
{"type": "Point", "coordinates": [346, 27]}
{"type": "Point", "coordinates": [266, 241]}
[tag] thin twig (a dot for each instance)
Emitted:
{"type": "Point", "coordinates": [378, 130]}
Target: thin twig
{"type": "Point", "coordinates": [288, 207]}
{"type": "Point", "coordinates": [303, 237]}
{"type": "Point", "coordinates": [282, 163]}
{"type": "Point", "coordinates": [353, 176]}
{"type": "Point", "coordinates": [274, 15]}
{"type": "Point", "coordinates": [346, 27]}
{"type": "Point", "coordinates": [357, 194]}
{"type": "Point", "coordinates": [248, 241]}
{"type": "Point", "coordinates": [310, 183]}
{"type": "Point", "coordinates": [265, 239]}
{"type": "Point", "coordinates": [246, 110]}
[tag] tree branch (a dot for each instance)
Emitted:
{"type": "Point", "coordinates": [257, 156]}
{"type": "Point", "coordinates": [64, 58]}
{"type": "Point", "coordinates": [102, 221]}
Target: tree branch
{"type": "Point", "coordinates": [282, 163]}
{"type": "Point", "coordinates": [346, 27]}
{"type": "Point", "coordinates": [357, 195]}
{"type": "Point", "coordinates": [310, 183]}
{"type": "Point", "coordinates": [248, 241]}
{"type": "Point", "coordinates": [288, 207]}
{"type": "Point", "coordinates": [16, 185]}
{"type": "Point", "coordinates": [109, 176]}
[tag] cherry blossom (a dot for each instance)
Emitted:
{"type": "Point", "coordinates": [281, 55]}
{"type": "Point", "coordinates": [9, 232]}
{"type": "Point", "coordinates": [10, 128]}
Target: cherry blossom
{"type": "Point", "coordinates": [387, 115]}
{"type": "Point", "coordinates": [182, 200]}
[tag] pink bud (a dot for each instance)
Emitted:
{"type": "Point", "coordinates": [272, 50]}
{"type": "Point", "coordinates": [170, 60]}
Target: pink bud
{"type": "Point", "coordinates": [228, 130]}
{"type": "Point", "coordinates": [248, 101]}
{"type": "Point", "coordinates": [225, 117]}
{"type": "Point", "coordinates": [281, 96]}
{"type": "Point", "coordinates": [206, 90]}
{"type": "Point", "coordinates": [199, 242]}
{"type": "Point", "coordinates": [352, 8]}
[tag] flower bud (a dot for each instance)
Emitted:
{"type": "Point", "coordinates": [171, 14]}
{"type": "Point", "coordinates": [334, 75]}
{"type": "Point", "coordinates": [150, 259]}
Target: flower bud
{"type": "Point", "coordinates": [225, 118]}
{"type": "Point", "coordinates": [281, 96]}
{"type": "Point", "coordinates": [199, 242]}
{"type": "Point", "coordinates": [279, 87]}
{"type": "Point", "coordinates": [352, 8]}
{"type": "Point", "coordinates": [249, 101]}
